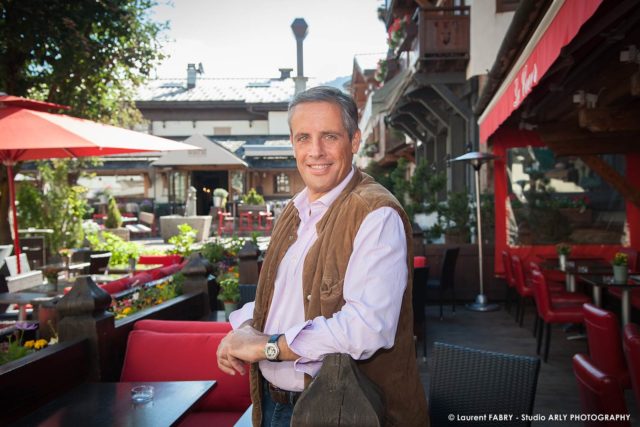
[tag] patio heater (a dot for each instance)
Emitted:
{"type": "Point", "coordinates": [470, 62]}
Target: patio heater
{"type": "Point", "coordinates": [476, 159]}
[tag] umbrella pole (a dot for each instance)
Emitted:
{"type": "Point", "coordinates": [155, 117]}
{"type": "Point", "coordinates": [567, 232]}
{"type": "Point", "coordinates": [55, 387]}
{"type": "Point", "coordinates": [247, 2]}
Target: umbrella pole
{"type": "Point", "coordinates": [12, 204]}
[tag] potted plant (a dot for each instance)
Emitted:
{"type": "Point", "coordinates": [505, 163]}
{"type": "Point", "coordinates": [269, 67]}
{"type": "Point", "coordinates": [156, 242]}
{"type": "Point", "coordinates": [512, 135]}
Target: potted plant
{"type": "Point", "coordinates": [113, 222]}
{"type": "Point", "coordinates": [563, 250]}
{"type": "Point", "coordinates": [252, 201]}
{"type": "Point", "coordinates": [620, 268]}
{"type": "Point", "coordinates": [220, 197]}
{"type": "Point", "coordinates": [229, 292]}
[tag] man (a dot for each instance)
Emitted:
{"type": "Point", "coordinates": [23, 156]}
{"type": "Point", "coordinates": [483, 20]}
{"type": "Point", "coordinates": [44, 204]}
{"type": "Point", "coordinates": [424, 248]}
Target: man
{"type": "Point", "coordinates": [336, 278]}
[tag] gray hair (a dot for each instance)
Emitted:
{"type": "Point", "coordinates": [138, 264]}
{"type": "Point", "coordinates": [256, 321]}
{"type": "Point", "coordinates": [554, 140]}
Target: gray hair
{"type": "Point", "coordinates": [348, 108]}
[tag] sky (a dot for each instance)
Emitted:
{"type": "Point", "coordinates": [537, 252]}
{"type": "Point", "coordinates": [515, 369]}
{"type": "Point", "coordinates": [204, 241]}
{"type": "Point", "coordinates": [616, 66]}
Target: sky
{"type": "Point", "coordinates": [253, 38]}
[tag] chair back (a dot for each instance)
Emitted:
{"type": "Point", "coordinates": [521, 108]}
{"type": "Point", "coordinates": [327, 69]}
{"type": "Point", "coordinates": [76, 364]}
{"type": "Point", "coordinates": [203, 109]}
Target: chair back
{"type": "Point", "coordinates": [12, 264]}
{"type": "Point", "coordinates": [541, 293]}
{"type": "Point", "coordinates": [419, 292]}
{"type": "Point", "coordinates": [631, 343]}
{"type": "Point", "coordinates": [605, 343]}
{"type": "Point", "coordinates": [5, 251]}
{"type": "Point", "coordinates": [508, 271]}
{"type": "Point", "coordinates": [247, 293]}
{"type": "Point", "coordinates": [448, 271]}
{"type": "Point", "coordinates": [518, 275]}
{"type": "Point", "coordinates": [470, 381]}
{"type": "Point", "coordinates": [599, 393]}
{"type": "Point", "coordinates": [98, 263]}
{"type": "Point", "coordinates": [185, 356]}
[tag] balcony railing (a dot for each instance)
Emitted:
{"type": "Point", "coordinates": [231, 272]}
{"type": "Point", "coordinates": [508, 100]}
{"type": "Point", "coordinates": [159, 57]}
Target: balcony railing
{"type": "Point", "coordinates": [443, 32]}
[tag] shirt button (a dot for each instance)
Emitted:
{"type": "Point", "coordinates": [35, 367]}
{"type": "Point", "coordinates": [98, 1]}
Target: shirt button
{"type": "Point", "coordinates": [309, 297]}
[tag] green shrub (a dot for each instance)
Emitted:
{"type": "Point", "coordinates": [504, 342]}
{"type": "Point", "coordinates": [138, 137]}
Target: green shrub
{"type": "Point", "coordinates": [121, 251]}
{"type": "Point", "coordinates": [183, 241]}
{"type": "Point", "coordinates": [114, 218]}
{"type": "Point", "coordinates": [253, 198]}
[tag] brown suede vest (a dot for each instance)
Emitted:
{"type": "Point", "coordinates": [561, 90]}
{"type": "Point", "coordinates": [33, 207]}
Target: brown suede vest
{"type": "Point", "coordinates": [394, 370]}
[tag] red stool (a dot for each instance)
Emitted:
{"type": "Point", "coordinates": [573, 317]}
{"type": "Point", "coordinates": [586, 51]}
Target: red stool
{"type": "Point", "coordinates": [265, 220]}
{"type": "Point", "coordinates": [225, 223]}
{"type": "Point", "coordinates": [246, 221]}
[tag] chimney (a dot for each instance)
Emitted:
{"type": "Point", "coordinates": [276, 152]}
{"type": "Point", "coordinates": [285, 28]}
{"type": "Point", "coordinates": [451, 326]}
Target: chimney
{"type": "Point", "coordinates": [285, 73]}
{"type": "Point", "coordinates": [191, 76]}
{"type": "Point", "coordinates": [299, 27]}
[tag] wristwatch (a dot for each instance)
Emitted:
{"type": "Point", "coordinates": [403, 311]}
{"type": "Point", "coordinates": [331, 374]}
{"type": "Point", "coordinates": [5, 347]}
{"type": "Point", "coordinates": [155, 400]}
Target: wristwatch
{"type": "Point", "coordinates": [271, 349]}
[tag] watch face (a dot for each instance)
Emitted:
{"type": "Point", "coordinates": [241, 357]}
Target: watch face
{"type": "Point", "coordinates": [271, 351]}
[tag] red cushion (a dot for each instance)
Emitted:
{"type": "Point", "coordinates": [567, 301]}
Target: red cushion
{"type": "Point", "coordinates": [156, 273]}
{"type": "Point", "coordinates": [155, 356]}
{"type": "Point", "coordinates": [419, 261]}
{"type": "Point", "coordinates": [160, 259]}
{"type": "Point", "coordinates": [190, 326]}
{"type": "Point", "coordinates": [141, 279]}
{"type": "Point", "coordinates": [208, 419]}
{"type": "Point", "coordinates": [117, 285]}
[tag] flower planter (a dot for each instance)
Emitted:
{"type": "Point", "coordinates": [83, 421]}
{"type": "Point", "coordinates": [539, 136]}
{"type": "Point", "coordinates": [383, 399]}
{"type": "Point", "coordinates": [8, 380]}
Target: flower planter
{"type": "Point", "coordinates": [169, 226]}
{"type": "Point", "coordinates": [620, 273]}
{"type": "Point", "coordinates": [229, 307]}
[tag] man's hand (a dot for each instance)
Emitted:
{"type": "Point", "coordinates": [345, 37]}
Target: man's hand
{"type": "Point", "coordinates": [243, 345]}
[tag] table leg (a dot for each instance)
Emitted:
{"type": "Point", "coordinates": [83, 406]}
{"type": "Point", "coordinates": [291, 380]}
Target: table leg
{"type": "Point", "coordinates": [626, 307]}
{"type": "Point", "coordinates": [570, 282]}
{"type": "Point", "coordinates": [22, 312]}
{"type": "Point", "coordinates": [597, 296]}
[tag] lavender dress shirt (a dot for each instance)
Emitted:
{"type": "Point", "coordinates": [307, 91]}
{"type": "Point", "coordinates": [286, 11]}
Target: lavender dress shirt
{"type": "Point", "coordinates": [375, 281]}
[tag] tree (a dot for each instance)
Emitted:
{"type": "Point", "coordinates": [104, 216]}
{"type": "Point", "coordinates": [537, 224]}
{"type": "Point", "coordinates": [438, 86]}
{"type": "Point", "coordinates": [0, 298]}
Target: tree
{"type": "Point", "coordinates": [53, 202]}
{"type": "Point", "coordinates": [89, 55]}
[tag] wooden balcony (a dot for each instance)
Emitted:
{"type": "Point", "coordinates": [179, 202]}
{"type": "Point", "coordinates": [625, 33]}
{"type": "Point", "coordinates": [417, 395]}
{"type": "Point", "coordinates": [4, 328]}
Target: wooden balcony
{"type": "Point", "coordinates": [443, 33]}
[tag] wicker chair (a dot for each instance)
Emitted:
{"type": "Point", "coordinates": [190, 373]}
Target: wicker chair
{"type": "Point", "coordinates": [467, 381]}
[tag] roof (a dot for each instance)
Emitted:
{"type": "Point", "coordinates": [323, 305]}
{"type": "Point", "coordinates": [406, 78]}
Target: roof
{"type": "Point", "coordinates": [268, 150]}
{"type": "Point", "coordinates": [212, 153]}
{"type": "Point", "coordinates": [252, 91]}
{"type": "Point", "coordinates": [385, 97]}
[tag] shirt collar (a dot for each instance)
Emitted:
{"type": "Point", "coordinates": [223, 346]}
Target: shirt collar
{"type": "Point", "coordinates": [301, 202]}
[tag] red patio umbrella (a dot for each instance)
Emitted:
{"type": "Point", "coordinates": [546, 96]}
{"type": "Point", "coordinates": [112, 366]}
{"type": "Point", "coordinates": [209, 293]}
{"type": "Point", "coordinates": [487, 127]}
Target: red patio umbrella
{"type": "Point", "coordinates": [28, 132]}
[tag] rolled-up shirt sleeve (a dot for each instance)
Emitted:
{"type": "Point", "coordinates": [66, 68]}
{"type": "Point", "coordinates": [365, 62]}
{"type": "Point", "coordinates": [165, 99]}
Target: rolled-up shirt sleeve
{"type": "Point", "coordinates": [374, 284]}
{"type": "Point", "coordinates": [240, 316]}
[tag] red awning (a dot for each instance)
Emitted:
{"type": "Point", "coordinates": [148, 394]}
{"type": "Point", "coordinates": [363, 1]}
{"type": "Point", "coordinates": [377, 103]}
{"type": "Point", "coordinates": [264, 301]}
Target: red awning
{"type": "Point", "coordinates": [535, 62]}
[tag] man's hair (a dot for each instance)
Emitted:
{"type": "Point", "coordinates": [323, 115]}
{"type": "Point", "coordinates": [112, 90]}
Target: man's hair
{"type": "Point", "coordinates": [348, 108]}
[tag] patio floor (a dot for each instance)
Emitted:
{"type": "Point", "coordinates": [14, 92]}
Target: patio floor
{"type": "Point", "coordinates": [557, 391]}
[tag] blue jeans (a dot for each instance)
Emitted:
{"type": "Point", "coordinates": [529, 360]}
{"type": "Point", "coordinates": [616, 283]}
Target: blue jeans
{"type": "Point", "coordinates": [274, 414]}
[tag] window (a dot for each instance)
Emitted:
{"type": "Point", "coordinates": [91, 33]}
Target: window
{"type": "Point", "coordinates": [282, 183]}
{"type": "Point", "coordinates": [560, 199]}
{"type": "Point", "coordinates": [506, 5]}
{"type": "Point", "coordinates": [222, 131]}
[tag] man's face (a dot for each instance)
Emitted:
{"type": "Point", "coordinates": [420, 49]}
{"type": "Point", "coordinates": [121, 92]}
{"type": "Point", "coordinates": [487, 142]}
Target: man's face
{"type": "Point", "coordinates": [321, 146]}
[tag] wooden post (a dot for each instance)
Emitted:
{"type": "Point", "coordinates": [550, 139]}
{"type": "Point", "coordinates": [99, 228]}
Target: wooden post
{"type": "Point", "coordinates": [248, 264]}
{"type": "Point", "coordinates": [196, 274]}
{"type": "Point", "coordinates": [82, 315]}
{"type": "Point", "coordinates": [340, 395]}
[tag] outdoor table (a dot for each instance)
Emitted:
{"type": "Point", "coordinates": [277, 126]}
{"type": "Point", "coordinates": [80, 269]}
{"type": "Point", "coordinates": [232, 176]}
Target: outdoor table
{"type": "Point", "coordinates": [598, 282]}
{"type": "Point", "coordinates": [110, 404]}
{"type": "Point", "coordinates": [574, 266]}
{"type": "Point", "coordinates": [245, 419]}
{"type": "Point", "coordinates": [22, 299]}
{"type": "Point", "coordinates": [50, 269]}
